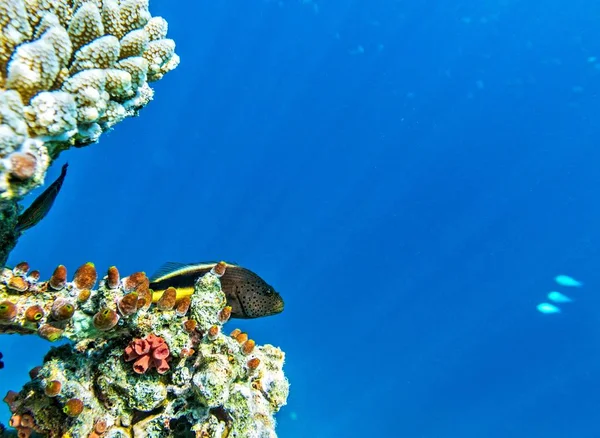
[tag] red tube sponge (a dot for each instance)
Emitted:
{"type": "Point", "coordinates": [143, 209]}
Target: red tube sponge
{"type": "Point", "coordinates": [150, 352]}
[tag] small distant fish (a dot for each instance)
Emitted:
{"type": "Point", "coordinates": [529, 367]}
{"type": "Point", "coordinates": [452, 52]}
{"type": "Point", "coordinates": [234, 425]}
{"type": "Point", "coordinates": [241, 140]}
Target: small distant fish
{"type": "Point", "coordinates": [548, 308]}
{"type": "Point", "coordinates": [557, 297]}
{"type": "Point", "coordinates": [248, 295]}
{"type": "Point", "coordinates": [565, 280]}
{"type": "Point", "coordinates": [1, 363]}
{"type": "Point", "coordinates": [42, 204]}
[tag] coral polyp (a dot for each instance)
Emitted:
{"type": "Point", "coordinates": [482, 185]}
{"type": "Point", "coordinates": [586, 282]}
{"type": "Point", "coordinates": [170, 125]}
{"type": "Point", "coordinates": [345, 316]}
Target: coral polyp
{"type": "Point", "coordinates": [135, 368]}
{"type": "Point", "coordinates": [105, 319]}
{"type": "Point", "coordinates": [85, 277]}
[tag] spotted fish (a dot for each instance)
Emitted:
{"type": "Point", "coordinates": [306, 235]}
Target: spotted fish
{"type": "Point", "coordinates": [248, 295]}
{"type": "Point", "coordinates": [42, 204]}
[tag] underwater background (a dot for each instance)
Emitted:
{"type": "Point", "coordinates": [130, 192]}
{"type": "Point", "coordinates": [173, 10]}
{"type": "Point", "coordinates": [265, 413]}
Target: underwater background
{"type": "Point", "coordinates": [410, 176]}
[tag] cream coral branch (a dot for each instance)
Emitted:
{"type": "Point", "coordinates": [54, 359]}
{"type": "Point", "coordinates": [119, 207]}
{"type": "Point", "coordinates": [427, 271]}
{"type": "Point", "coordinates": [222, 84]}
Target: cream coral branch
{"type": "Point", "coordinates": [69, 71]}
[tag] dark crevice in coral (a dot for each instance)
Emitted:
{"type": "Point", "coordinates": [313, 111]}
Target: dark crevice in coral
{"type": "Point", "coordinates": [142, 415]}
{"type": "Point", "coordinates": [181, 428]}
{"type": "Point", "coordinates": [99, 394]}
{"type": "Point", "coordinates": [221, 414]}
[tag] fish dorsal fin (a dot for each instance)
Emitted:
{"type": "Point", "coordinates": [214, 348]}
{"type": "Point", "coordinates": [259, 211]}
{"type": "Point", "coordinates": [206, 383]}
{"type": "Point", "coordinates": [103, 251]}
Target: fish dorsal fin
{"type": "Point", "coordinates": [170, 268]}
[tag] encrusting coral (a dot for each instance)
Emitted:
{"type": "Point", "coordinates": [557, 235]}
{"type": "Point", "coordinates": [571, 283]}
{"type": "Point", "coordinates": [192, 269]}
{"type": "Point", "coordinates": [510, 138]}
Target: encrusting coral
{"type": "Point", "coordinates": [134, 368]}
{"type": "Point", "coordinates": [70, 70]}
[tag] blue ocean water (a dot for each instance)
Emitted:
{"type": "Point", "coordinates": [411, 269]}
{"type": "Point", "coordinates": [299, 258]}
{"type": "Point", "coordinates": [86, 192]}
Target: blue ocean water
{"type": "Point", "coordinates": [411, 176]}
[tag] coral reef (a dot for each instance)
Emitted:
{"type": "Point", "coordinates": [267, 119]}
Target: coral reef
{"type": "Point", "coordinates": [70, 70]}
{"type": "Point", "coordinates": [135, 368]}
{"type": "Point", "coordinates": [136, 363]}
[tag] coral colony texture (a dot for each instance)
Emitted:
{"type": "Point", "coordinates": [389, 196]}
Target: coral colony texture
{"type": "Point", "coordinates": [136, 368]}
{"type": "Point", "coordinates": [69, 70]}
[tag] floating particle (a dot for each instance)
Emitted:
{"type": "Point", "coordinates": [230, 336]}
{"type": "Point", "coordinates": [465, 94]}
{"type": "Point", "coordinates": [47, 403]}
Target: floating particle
{"type": "Point", "coordinates": [358, 50]}
{"type": "Point", "coordinates": [557, 297]}
{"type": "Point", "coordinates": [548, 308]}
{"type": "Point", "coordinates": [565, 280]}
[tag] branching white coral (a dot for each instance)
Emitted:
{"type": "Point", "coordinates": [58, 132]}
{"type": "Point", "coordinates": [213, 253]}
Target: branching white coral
{"type": "Point", "coordinates": [70, 70]}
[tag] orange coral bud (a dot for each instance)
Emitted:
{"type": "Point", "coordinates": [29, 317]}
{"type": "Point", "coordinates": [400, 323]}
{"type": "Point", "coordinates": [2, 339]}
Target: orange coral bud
{"type": "Point", "coordinates": [105, 319]}
{"type": "Point", "coordinates": [219, 269]}
{"type": "Point", "coordinates": [10, 397]}
{"type": "Point", "coordinates": [22, 166]}
{"type": "Point", "coordinates": [73, 407]}
{"type": "Point", "coordinates": [59, 278]}
{"type": "Point", "coordinates": [134, 280]}
{"type": "Point", "coordinates": [140, 283]}
{"type": "Point", "coordinates": [182, 306]}
{"type": "Point", "coordinates": [34, 313]}
{"type": "Point", "coordinates": [187, 352]}
{"type": "Point", "coordinates": [27, 421]}
{"type": "Point", "coordinates": [101, 426]}
{"type": "Point", "coordinates": [18, 284]}
{"type": "Point", "coordinates": [21, 268]}
{"type": "Point", "coordinates": [253, 363]}
{"type": "Point", "coordinates": [146, 296]}
{"type": "Point", "coordinates": [189, 325]}
{"type": "Point", "coordinates": [15, 420]}
{"type": "Point", "coordinates": [113, 278]}
{"type": "Point", "coordinates": [49, 332]}
{"type": "Point", "coordinates": [235, 332]}
{"type": "Point", "coordinates": [248, 346]}
{"type": "Point", "coordinates": [8, 311]}
{"type": "Point", "coordinates": [225, 314]}
{"type": "Point", "coordinates": [53, 388]}
{"type": "Point", "coordinates": [167, 299]}
{"type": "Point", "coordinates": [34, 275]}
{"type": "Point", "coordinates": [85, 277]}
{"type": "Point", "coordinates": [84, 295]}
{"type": "Point", "coordinates": [213, 332]}
{"type": "Point", "coordinates": [62, 309]}
{"type": "Point", "coordinates": [33, 373]}
{"type": "Point", "coordinates": [128, 304]}
{"type": "Point", "coordinates": [24, 432]}
{"type": "Point", "coordinates": [241, 337]}
{"type": "Point", "coordinates": [141, 302]}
